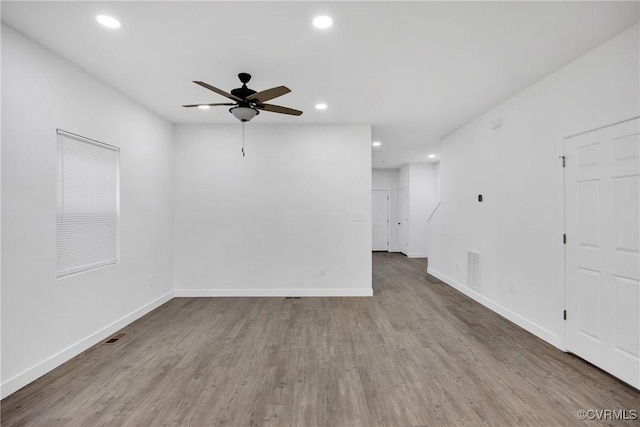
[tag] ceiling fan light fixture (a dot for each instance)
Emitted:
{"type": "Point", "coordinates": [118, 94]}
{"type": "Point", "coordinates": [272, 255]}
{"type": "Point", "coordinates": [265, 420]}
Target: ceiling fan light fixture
{"type": "Point", "coordinates": [321, 106]}
{"type": "Point", "coordinates": [244, 114]}
{"type": "Point", "coordinates": [203, 107]}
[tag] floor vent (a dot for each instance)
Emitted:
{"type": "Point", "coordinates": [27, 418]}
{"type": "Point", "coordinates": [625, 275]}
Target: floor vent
{"type": "Point", "coordinates": [114, 339]}
{"type": "Point", "coordinates": [473, 270]}
{"type": "Point", "coordinates": [291, 297]}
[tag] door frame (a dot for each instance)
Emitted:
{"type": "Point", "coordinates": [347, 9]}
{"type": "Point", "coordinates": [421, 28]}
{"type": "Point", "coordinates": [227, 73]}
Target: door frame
{"type": "Point", "coordinates": [561, 226]}
{"type": "Point", "coordinates": [388, 191]}
{"type": "Point", "coordinates": [403, 232]}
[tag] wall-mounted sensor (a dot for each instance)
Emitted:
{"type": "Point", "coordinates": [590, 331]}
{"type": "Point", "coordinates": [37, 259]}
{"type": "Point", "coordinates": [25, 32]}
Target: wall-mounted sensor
{"type": "Point", "coordinates": [479, 197]}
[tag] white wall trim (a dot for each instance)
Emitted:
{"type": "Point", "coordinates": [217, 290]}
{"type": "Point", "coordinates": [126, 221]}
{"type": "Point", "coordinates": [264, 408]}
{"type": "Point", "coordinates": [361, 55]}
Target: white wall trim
{"type": "Point", "coordinates": [416, 255]}
{"type": "Point", "coordinates": [601, 127]}
{"type": "Point", "coordinates": [525, 324]}
{"type": "Point", "coordinates": [335, 292]}
{"type": "Point", "coordinates": [28, 376]}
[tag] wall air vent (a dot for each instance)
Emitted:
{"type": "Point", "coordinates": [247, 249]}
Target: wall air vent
{"type": "Point", "coordinates": [473, 270]}
{"type": "Point", "coordinates": [117, 337]}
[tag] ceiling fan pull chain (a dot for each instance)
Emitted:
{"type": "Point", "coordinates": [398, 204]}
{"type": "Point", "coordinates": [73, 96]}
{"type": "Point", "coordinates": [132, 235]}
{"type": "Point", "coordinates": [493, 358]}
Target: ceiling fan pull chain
{"type": "Point", "coordinates": [242, 139]}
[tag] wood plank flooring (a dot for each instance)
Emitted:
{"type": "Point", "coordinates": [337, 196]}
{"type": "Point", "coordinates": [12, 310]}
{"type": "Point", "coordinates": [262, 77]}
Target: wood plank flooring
{"type": "Point", "coordinates": [418, 353]}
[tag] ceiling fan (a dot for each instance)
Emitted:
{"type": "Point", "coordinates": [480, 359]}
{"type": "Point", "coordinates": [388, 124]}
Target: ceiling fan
{"type": "Point", "coordinates": [248, 103]}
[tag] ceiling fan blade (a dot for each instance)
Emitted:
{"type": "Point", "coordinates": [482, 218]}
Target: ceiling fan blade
{"type": "Point", "coordinates": [268, 94]}
{"type": "Point", "coordinates": [279, 109]}
{"type": "Point", "coordinates": [218, 91]}
{"type": "Point", "coordinates": [210, 105]}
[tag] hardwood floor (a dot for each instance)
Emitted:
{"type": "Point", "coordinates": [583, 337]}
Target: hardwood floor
{"type": "Point", "coordinates": [417, 353]}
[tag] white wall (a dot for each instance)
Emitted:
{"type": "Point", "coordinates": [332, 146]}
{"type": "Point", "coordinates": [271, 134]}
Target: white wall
{"type": "Point", "coordinates": [46, 321]}
{"type": "Point", "coordinates": [387, 179]}
{"type": "Point", "coordinates": [421, 179]}
{"type": "Point", "coordinates": [266, 224]}
{"type": "Point", "coordinates": [517, 229]}
{"type": "Point", "coordinates": [423, 186]}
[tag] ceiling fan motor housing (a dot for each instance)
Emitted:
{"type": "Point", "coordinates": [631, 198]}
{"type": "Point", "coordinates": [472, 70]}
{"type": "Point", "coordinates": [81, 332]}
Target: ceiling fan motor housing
{"type": "Point", "coordinates": [243, 92]}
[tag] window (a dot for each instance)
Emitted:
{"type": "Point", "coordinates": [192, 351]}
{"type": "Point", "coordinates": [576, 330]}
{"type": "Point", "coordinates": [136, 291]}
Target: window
{"type": "Point", "coordinates": [88, 204]}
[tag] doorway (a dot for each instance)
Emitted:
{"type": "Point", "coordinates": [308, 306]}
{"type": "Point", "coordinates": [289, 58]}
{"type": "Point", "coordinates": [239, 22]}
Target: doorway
{"type": "Point", "coordinates": [403, 224]}
{"type": "Point", "coordinates": [380, 220]}
{"type": "Point", "coordinates": [602, 252]}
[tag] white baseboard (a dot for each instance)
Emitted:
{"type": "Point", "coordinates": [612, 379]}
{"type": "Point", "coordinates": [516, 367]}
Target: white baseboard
{"type": "Point", "coordinates": [416, 255]}
{"type": "Point", "coordinates": [24, 378]}
{"type": "Point", "coordinates": [524, 323]}
{"type": "Point", "coordinates": [341, 292]}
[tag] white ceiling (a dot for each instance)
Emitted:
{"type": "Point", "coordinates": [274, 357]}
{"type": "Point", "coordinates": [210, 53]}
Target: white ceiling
{"type": "Point", "coordinates": [415, 71]}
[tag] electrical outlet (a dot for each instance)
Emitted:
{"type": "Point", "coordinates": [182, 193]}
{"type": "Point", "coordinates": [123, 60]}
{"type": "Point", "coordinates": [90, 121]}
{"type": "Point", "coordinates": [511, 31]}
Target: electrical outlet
{"type": "Point", "coordinates": [357, 216]}
{"type": "Point", "coordinates": [323, 271]}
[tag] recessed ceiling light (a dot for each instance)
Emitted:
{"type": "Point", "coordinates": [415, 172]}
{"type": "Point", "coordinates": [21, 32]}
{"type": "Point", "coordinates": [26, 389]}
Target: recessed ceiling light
{"type": "Point", "coordinates": [432, 156]}
{"type": "Point", "coordinates": [376, 143]}
{"type": "Point", "coordinates": [322, 22]}
{"type": "Point", "coordinates": [203, 107]}
{"type": "Point", "coordinates": [321, 106]}
{"type": "Point", "coordinates": [108, 21]}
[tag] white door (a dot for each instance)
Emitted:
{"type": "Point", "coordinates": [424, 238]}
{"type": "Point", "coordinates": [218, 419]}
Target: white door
{"type": "Point", "coordinates": [602, 198]}
{"type": "Point", "coordinates": [404, 221]}
{"type": "Point", "coordinates": [380, 220]}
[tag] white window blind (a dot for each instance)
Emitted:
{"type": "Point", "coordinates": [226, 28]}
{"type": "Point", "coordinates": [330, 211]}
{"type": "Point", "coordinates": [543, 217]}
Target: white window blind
{"type": "Point", "coordinates": [88, 204]}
